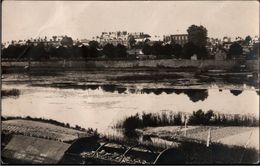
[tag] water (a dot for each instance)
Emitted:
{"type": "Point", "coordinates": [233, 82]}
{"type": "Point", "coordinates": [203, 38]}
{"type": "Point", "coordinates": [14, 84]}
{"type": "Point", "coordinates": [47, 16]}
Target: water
{"type": "Point", "coordinates": [102, 106]}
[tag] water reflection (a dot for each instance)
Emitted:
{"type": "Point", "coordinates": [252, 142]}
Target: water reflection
{"type": "Point", "coordinates": [236, 92]}
{"type": "Point", "coordinates": [194, 95]}
{"type": "Point", "coordinates": [100, 109]}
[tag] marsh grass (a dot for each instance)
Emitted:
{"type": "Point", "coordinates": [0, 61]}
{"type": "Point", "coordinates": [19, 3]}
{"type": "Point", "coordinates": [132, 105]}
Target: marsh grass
{"type": "Point", "coordinates": [168, 118]}
{"type": "Point", "coordinates": [10, 93]}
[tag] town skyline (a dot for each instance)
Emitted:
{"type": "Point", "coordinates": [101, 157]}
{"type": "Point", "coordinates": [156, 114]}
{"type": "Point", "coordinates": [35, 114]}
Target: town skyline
{"type": "Point", "coordinates": [84, 20]}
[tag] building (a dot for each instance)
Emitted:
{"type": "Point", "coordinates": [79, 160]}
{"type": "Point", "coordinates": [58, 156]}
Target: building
{"type": "Point", "coordinates": [176, 39]}
{"type": "Point", "coordinates": [115, 38]}
{"type": "Point", "coordinates": [120, 37]}
{"type": "Point", "coordinates": [31, 150]}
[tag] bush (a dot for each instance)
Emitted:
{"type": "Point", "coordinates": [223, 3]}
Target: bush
{"type": "Point", "coordinates": [131, 123]}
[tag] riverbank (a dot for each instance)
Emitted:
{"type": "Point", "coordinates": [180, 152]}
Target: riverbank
{"type": "Point", "coordinates": [251, 65]}
{"type": "Point", "coordinates": [136, 78]}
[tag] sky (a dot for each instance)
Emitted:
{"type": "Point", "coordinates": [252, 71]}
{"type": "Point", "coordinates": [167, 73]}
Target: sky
{"type": "Point", "coordinates": [83, 20]}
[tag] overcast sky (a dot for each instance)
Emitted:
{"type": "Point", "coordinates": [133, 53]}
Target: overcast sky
{"type": "Point", "coordinates": [26, 19]}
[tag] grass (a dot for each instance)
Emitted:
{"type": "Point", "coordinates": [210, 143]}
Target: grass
{"type": "Point", "coordinates": [10, 93]}
{"type": "Point", "coordinates": [209, 118]}
{"type": "Point", "coordinates": [44, 128]}
{"type": "Point", "coordinates": [217, 153]}
{"type": "Point", "coordinates": [159, 146]}
{"type": "Point", "coordinates": [153, 77]}
{"type": "Point", "coordinates": [50, 121]}
{"type": "Point", "coordinates": [194, 152]}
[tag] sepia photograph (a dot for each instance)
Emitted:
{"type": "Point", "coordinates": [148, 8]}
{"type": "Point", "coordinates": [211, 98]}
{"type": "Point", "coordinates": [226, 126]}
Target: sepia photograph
{"type": "Point", "coordinates": [129, 82]}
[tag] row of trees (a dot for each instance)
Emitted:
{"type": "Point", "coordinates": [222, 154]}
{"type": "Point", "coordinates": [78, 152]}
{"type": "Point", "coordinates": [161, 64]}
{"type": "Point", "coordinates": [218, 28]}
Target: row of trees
{"type": "Point", "coordinates": [166, 51]}
{"type": "Point", "coordinates": [210, 118]}
{"type": "Point", "coordinates": [197, 41]}
{"type": "Point", "coordinates": [42, 52]}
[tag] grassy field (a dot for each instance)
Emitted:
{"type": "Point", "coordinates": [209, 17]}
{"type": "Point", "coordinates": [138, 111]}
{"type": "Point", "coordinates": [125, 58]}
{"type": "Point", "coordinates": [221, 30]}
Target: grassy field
{"type": "Point", "coordinates": [239, 136]}
{"type": "Point", "coordinates": [40, 129]}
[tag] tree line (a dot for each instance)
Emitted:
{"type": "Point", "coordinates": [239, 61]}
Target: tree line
{"type": "Point", "coordinates": [196, 45]}
{"type": "Point", "coordinates": [198, 117]}
{"type": "Point", "coordinates": [109, 51]}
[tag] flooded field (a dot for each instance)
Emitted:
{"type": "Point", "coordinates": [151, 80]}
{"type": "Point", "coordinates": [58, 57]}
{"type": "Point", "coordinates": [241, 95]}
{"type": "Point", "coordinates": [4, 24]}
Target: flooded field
{"type": "Point", "coordinates": [100, 99]}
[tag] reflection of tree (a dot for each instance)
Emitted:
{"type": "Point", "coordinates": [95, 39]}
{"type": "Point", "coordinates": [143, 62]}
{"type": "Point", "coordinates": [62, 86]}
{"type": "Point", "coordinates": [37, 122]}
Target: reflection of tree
{"type": "Point", "coordinates": [121, 90]}
{"type": "Point", "coordinates": [147, 91]}
{"type": "Point", "coordinates": [132, 91]}
{"type": "Point", "coordinates": [93, 87]}
{"type": "Point", "coordinates": [112, 88]}
{"type": "Point", "coordinates": [196, 94]}
{"type": "Point", "coordinates": [168, 91]}
{"type": "Point", "coordinates": [109, 88]}
{"type": "Point", "coordinates": [157, 91]}
{"type": "Point", "coordinates": [178, 91]}
{"type": "Point", "coordinates": [236, 92]}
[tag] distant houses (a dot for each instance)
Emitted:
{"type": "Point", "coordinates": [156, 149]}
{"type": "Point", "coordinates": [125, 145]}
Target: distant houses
{"type": "Point", "coordinates": [180, 39]}
{"type": "Point", "coordinates": [120, 37]}
{"type": "Point", "coordinates": [141, 45]}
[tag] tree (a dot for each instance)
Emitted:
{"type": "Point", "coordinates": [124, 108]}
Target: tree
{"type": "Point", "coordinates": [202, 52]}
{"type": "Point", "coordinates": [157, 48]}
{"type": "Point", "coordinates": [85, 52]}
{"type": "Point", "coordinates": [147, 49]}
{"type": "Point", "coordinates": [235, 50]}
{"type": "Point", "coordinates": [254, 53]}
{"type": "Point", "coordinates": [167, 50]}
{"type": "Point", "coordinates": [108, 50]}
{"type": "Point", "coordinates": [177, 50]}
{"type": "Point", "coordinates": [131, 41]}
{"type": "Point", "coordinates": [120, 51]}
{"type": "Point", "coordinates": [66, 41]}
{"type": "Point", "coordinates": [188, 50]}
{"type": "Point", "coordinates": [93, 46]}
{"type": "Point", "coordinates": [197, 118]}
{"type": "Point", "coordinates": [209, 114]}
{"type": "Point", "coordinates": [248, 39]}
{"type": "Point", "coordinates": [197, 35]}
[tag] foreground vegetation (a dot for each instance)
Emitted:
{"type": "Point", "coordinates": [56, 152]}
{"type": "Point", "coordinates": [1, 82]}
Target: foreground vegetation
{"type": "Point", "coordinates": [186, 151]}
{"type": "Point", "coordinates": [9, 93]}
{"type": "Point", "coordinates": [50, 121]}
{"type": "Point", "coordinates": [199, 117]}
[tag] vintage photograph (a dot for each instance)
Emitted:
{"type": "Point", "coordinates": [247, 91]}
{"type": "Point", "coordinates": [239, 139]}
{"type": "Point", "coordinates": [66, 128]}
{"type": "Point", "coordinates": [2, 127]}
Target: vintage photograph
{"type": "Point", "coordinates": [130, 82]}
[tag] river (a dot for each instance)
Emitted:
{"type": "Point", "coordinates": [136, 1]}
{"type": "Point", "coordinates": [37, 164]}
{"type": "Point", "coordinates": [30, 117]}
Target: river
{"type": "Point", "coordinates": [101, 106]}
